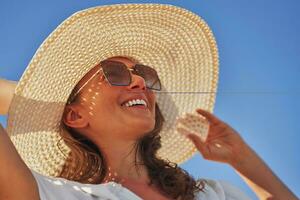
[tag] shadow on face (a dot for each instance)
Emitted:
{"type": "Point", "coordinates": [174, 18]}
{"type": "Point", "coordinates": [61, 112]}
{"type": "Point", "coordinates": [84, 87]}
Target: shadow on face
{"type": "Point", "coordinates": [101, 111]}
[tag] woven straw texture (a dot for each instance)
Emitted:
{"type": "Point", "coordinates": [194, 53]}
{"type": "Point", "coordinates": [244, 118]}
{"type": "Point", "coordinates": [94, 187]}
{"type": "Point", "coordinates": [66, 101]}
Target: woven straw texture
{"type": "Point", "coordinates": [174, 41]}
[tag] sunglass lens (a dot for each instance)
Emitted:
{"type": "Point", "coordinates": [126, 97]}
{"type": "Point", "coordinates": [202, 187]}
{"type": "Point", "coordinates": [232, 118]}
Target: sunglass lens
{"type": "Point", "coordinates": [116, 73]}
{"type": "Point", "coordinates": [150, 76]}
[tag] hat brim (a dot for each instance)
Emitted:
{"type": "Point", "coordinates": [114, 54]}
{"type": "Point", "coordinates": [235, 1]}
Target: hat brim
{"type": "Point", "coordinates": [174, 41]}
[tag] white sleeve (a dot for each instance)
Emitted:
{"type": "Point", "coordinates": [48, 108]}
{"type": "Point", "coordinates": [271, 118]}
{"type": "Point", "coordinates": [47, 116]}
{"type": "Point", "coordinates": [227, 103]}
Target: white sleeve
{"type": "Point", "coordinates": [220, 190]}
{"type": "Point", "coordinates": [51, 188]}
{"type": "Point", "coordinates": [232, 192]}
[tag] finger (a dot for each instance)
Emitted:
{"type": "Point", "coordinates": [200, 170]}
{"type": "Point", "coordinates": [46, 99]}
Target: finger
{"type": "Point", "coordinates": [207, 150]}
{"type": "Point", "coordinates": [195, 117]}
{"type": "Point", "coordinates": [199, 124]}
{"type": "Point", "coordinates": [201, 132]}
{"type": "Point", "coordinates": [181, 120]}
{"type": "Point", "coordinates": [217, 131]}
{"type": "Point", "coordinates": [209, 116]}
{"type": "Point", "coordinates": [190, 119]}
{"type": "Point", "coordinates": [184, 131]}
{"type": "Point", "coordinates": [215, 137]}
{"type": "Point", "coordinates": [217, 128]}
{"type": "Point", "coordinates": [200, 145]}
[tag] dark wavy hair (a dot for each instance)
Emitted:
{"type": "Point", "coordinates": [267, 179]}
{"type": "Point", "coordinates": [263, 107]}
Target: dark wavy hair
{"type": "Point", "coordinates": [86, 164]}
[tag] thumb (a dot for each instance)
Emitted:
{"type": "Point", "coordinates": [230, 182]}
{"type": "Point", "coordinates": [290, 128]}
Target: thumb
{"type": "Point", "coordinates": [199, 144]}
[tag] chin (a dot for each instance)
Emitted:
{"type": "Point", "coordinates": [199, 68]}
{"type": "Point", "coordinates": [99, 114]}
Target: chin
{"type": "Point", "coordinates": [149, 126]}
{"type": "Point", "coordinates": [144, 127]}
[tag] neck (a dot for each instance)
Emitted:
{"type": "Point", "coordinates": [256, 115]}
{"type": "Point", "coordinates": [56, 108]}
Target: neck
{"type": "Point", "coordinates": [120, 160]}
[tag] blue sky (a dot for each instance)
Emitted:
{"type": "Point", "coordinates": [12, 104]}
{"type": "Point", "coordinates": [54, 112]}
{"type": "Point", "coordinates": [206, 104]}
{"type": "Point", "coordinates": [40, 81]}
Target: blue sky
{"type": "Point", "coordinates": [258, 91]}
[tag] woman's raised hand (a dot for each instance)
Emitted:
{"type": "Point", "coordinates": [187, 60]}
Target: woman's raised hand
{"type": "Point", "coordinates": [222, 144]}
{"type": "Point", "coordinates": [6, 94]}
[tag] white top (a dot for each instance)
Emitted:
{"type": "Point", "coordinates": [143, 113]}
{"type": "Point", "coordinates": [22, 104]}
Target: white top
{"type": "Point", "coordinates": [52, 188]}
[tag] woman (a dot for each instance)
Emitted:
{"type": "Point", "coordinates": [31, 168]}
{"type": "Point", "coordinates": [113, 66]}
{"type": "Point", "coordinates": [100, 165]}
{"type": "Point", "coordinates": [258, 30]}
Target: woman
{"type": "Point", "coordinates": [110, 126]}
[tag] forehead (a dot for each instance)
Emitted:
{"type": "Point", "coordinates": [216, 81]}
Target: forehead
{"type": "Point", "coordinates": [127, 61]}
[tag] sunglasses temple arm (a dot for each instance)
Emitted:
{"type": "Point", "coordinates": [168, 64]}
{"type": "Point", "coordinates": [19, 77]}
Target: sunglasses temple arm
{"type": "Point", "coordinates": [77, 92]}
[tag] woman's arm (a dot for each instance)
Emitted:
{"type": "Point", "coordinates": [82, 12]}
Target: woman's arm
{"type": "Point", "coordinates": [7, 89]}
{"type": "Point", "coordinates": [259, 176]}
{"type": "Point", "coordinates": [224, 144]}
{"type": "Point", "coordinates": [16, 179]}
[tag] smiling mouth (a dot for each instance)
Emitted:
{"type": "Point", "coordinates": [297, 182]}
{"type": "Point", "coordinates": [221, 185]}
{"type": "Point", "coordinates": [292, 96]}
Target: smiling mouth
{"type": "Point", "coordinates": [137, 107]}
{"type": "Point", "coordinates": [135, 103]}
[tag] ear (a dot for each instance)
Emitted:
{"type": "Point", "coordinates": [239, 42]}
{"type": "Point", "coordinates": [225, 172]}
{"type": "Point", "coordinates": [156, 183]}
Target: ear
{"type": "Point", "coordinates": [75, 117]}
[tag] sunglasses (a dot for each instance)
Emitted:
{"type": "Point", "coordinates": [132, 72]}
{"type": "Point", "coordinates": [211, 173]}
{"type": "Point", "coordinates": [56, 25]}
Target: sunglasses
{"type": "Point", "coordinates": [118, 74]}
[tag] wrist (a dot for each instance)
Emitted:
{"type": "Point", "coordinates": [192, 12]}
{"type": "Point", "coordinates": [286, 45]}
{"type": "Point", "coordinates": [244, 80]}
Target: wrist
{"type": "Point", "coordinates": [245, 158]}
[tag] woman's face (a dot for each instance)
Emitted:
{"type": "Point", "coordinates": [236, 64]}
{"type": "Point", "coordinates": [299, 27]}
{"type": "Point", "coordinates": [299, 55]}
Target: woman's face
{"type": "Point", "coordinates": [102, 112]}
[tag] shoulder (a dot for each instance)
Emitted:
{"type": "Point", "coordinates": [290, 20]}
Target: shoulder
{"type": "Point", "coordinates": [220, 190]}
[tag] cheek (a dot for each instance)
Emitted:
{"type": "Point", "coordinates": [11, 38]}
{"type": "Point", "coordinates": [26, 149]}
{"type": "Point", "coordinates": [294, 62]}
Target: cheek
{"type": "Point", "coordinates": [94, 99]}
{"type": "Point", "coordinates": [106, 116]}
{"type": "Point", "coordinates": [152, 99]}
{"type": "Point", "coordinates": [100, 104]}
{"type": "Point", "coordinates": [91, 99]}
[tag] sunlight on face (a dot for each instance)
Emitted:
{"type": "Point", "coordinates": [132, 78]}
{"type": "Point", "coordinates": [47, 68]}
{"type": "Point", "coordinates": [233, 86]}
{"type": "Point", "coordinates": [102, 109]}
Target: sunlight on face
{"type": "Point", "coordinates": [104, 105]}
{"type": "Point", "coordinates": [94, 90]}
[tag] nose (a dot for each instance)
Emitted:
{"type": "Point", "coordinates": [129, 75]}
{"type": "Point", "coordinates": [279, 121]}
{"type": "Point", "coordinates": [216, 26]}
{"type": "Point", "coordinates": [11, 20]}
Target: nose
{"type": "Point", "coordinates": [137, 82]}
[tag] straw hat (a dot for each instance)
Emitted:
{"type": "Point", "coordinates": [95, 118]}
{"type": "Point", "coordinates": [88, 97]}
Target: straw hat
{"type": "Point", "coordinates": [174, 41]}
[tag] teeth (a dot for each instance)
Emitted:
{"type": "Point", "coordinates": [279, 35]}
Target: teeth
{"type": "Point", "coordinates": [136, 101]}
